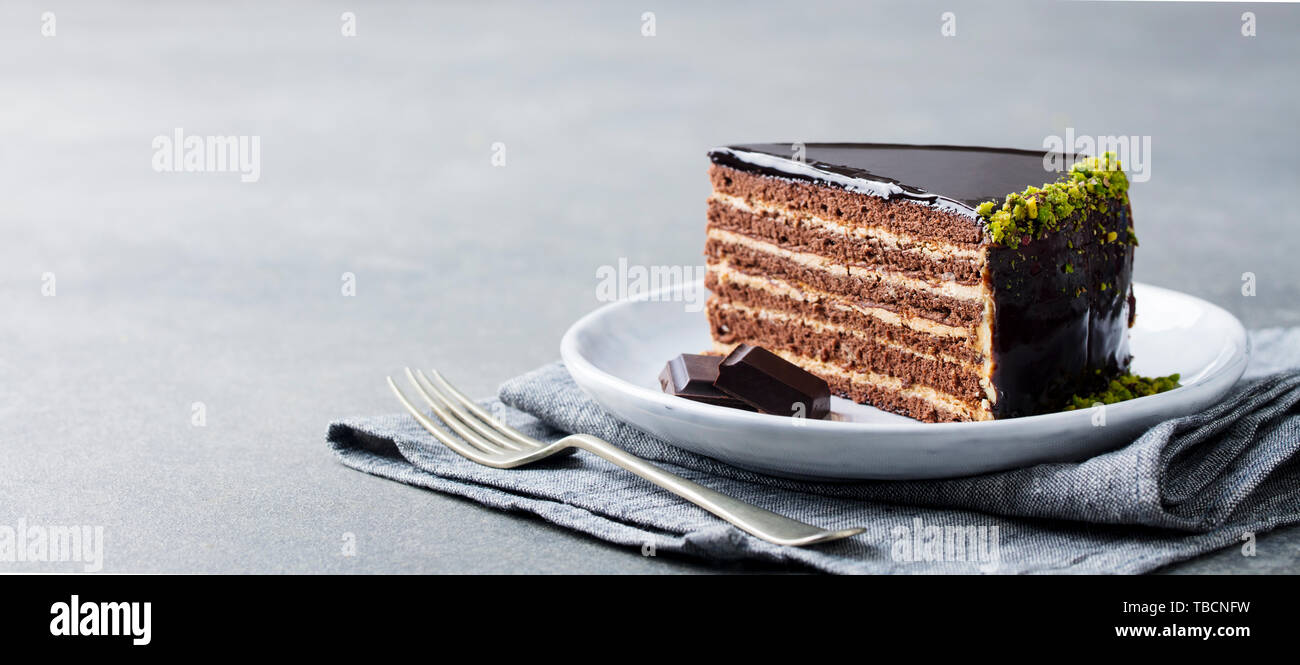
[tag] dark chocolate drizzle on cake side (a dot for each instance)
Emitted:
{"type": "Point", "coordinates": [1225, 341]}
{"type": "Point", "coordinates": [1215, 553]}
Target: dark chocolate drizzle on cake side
{"type": "Point", "coordinates": [1056, 332]}
{"type": "Point", "coordinates": [1056, 329]}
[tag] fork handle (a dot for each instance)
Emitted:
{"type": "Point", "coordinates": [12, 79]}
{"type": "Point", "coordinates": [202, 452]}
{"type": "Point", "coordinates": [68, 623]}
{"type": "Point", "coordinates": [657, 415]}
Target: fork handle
{"type": "Point", "coordinates": [757, 521]}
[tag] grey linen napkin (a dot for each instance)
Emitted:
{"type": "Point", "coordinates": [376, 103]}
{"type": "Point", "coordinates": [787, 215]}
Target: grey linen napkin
{"type": "Point", "coordinates": [1185, 487]}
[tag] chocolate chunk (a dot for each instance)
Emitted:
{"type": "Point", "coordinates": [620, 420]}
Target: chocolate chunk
{"type": "Point", "coordinates": [692, 377]}
{"type": "Point", "coordinates": [772, 384]}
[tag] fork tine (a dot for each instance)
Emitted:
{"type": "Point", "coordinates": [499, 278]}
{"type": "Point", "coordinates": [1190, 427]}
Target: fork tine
{"type": "Point", "coordinates": [451, 421]}
{"type": "Point", "coordinates": [474, 423]}
{"type": "Point", "coordinates": [483, 415]}
{"type": "Point", "coordinates": [449, 441]}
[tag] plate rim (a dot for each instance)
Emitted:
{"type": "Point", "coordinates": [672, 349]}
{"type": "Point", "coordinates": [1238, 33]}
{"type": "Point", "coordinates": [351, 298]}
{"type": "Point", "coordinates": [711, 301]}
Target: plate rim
{"type": "Point", "coordinates": [574, 361]}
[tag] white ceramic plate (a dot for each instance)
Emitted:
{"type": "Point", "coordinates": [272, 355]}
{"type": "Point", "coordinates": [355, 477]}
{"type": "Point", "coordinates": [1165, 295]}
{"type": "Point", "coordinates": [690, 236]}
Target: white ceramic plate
{"type": "Point", "coordinates": [616, 353]}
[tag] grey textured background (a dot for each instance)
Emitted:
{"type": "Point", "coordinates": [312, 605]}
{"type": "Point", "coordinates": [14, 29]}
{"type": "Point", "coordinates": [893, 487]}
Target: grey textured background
{"type": "Point", "coordinates": [174, 288]}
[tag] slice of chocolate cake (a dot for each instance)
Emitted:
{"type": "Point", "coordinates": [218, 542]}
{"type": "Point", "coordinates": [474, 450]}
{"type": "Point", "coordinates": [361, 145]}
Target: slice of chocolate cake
{"type": "Point", "coordinates": [942, 283]}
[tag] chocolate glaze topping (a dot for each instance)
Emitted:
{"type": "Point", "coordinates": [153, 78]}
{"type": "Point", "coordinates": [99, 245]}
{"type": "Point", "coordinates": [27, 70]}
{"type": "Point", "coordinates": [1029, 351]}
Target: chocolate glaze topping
{"type": "Point", "coordinates": [954, 178]}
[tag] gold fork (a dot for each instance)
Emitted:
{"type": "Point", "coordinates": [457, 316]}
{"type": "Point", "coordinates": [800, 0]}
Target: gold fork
{"type": "Point", "coordinates": [489, 442]}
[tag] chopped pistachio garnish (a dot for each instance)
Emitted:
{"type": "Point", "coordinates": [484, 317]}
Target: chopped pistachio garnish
{"type": "Point", "coordinates": [1125, 387]}
{"type": "Point", "coordinates": [1092, 183]}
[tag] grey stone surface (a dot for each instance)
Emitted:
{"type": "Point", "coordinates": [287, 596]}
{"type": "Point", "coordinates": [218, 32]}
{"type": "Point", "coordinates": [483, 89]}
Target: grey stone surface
{"type": "Point", "coordinates": [176, 288]}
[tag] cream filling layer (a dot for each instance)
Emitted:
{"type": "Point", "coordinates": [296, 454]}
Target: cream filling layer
{"type": "Point", "coordinates": [823, 327]}
{"type": "Point", "coordinates": [940, 400]}
{"type": "Point", "coordinates": [964, 292]}
{"type": "Point", "coordinates": [934, 249]}
{"type": "Point", "coordinates": [780, 287]}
